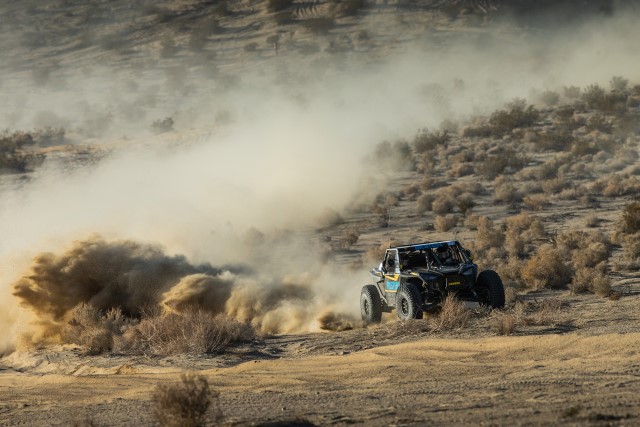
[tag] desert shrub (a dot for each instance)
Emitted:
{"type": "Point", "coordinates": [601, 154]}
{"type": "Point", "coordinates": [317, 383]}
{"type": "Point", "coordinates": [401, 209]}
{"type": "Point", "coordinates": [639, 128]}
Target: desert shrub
{"type": "Point", "coordinates": [424, 203]}
{"type": "Point", "coordinates": [591, 280]}
{"type": "Point", "coordinates": [540, 312]}
{"type": "Point", "coordinates": [397, 155]}
{"type": "Point", "coordinates": [517, 115]}
{"type": "Point", "coordinates": [162, 125]}
{"type": "Point", "coordinates": [13, 157]}
{"type": "Point", "coordinates": [547, 268]}
{"type": "Point", "coordinates": [461, 169]}
{"type": "Point", "coordinates": [598, 99]}
{"type": "Point", "coordinates": [618, 83]}
{"type": "Point", "coordinates": [94, 330]}
{"type": "Point", "coordinates": [521, 232]}
{"type": "Point", "coordinates": [554, 185]}
{"type": "Point", "coordinates": [600, 123]}
{"type": "Point", "coordinates": [556, 141]}
{"type": "Point", "coordinates": [465, 203]}
{"type": "Point", "coordinates": [445, 223]}
{"type": "Point", "coordinates": [509, 272]}
{"type": "Point", "coordinates": [617, 185]}
{"type": "Point", "coordinates": [631, 218]}
{"type": "Point", "coordinates": [536, 202]}
{"type": "Point", "coordinates": [572, 92]}
{"type": "Point", "coordinates": [507, 161]}
{"type": "Point", "coordinates": [443, 204]}
{"type": "Point", "coordinates": [505, 324]}
{"type": "Point", "coordinates": [411, 191]}
{"type": "Point", "coordinates": [184, 403]}
{"type": "Point", "coordinates": [504, 191]}
{"type": "Point", "coordinates": [502, 122]}
{"type": "Point", "coordinates": [488, 235]}
{"type": "Point", "coordinates": [278, 5]}
{"type": "Point", "coordinates": [592, 220]}
{"type": "Point", "coordinates": [192, 331]}
{"type": "Point", "coordinates": [550, 98]}
{"type": "Point", "coordinates": [427, 141]}
{"type": "Point", "coordinates": [453, 315]}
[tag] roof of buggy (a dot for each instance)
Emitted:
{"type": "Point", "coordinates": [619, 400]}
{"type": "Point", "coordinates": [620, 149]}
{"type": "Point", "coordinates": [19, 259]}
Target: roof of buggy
{"type": "Point", "coordinates": [426, 245]}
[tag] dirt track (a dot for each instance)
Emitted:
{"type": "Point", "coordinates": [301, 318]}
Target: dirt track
{"type": "Point", "coordinates": [531, 380]}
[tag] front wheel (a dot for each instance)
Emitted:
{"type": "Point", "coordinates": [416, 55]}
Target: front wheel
{"type": "Point", "coordinates": [408, 302]}
{"type": "Point", "coordinates": [370, 305]}
{"type": "Point", "coordinates": [490, 289]}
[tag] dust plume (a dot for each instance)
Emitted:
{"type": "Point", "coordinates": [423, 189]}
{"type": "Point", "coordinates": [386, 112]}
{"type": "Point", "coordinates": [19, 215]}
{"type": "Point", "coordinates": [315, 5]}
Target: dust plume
{"type": "Point", "coordinates": [255, 151]}
{"type": "Point", "coordinates": [135, 278]}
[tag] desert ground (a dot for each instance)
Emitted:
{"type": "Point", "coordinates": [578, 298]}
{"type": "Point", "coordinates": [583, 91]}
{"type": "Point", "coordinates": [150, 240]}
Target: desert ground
{"type": "Point", "coordinates": [201, 187]}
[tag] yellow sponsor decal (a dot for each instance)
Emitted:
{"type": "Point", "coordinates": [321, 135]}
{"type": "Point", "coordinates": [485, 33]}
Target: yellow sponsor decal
{"type": "Point", "coordinates": [453, 283]}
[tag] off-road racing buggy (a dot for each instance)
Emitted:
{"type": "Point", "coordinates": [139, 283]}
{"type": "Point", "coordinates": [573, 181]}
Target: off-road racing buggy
{"type": "Point", "coordinates": [418, 277]}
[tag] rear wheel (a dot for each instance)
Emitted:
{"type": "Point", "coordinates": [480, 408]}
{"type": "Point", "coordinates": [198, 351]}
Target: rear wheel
{"type": "Point", "coordinates": [490, 289]}
{"type": "Point", "coordinates": [408, 302]}
{"type": "Point", "coordinates": [370, 304]}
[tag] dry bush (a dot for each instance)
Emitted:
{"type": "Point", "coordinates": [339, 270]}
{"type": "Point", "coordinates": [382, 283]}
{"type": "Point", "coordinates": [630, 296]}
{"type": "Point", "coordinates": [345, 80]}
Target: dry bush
{"type": "Point", "coordinates": [631, 218]}
{"type": "Point", "coordinates": [598, 99]}
{"type": "Point", "coordinates": [547, 268]}
{"type": "Point", "coordinates": [465, 202]}
{"type": "Point", "coordinates": [453, 315]}
{"type": "Point", "coordinates": [618, 83]}
{"type": "Point", "coordinates": [617, 185]}
{"type": "Point", "coordinates": [555, 141]}
{"type": "Point", "coordinates": [536, 202]}
{"type": "Point", "coordinates": [460, 169]}
{"type": "Point", "coordinates": [192, 331]}
{"type": "Point", "coordinates": [504, 191]}
{"type": "Point", "coordinates": [550, 98]}
{"type": "Point", "coordinates": [445, 223]}
{"type": "Point", "coordinates": [162, 125]}
{"type": "Point", "coordinates": [426, 140]}
{"type": "Point", "coordinates": [502, 122]}
{"type": "Point", "coordinates": [443, 204]}
{"type": "Point", "coordinates": [375, 254]}
{"type": "Point", "coordinates": [510, 272]}
{"type": "Point", "coordinates": [521, 231]}
{"type": "Point", "coordinates": [13, 157]}
{"type": "Point", "coordinates": [592, 280]}
{"type": "Point", "coordinates": [572, 92]}
{"type": "Point", "coordinates": [424, 203]}
{"type": "Point", "coordinates": [505, 324]}
{"type": "Point", "coordinates": [412, 191]}
{"type": "Point", "coordinates": [585, 249]}
{"type": "Point", "coordinates": [507, 161]}
{"type": "Point", "coordinates": [554, 185]}
{"type": "Point", "coordinates": [631, 249]}
{"type": "Point", "coordinates": [591, 220]}
{"type": "Point", "coordinates": [599, 122]}
{"type": "Point", "coordinates": [488, 234]}
{"type": "Point", "coordinates": [94, 330]}
{"type": "Point", "coordinates": [185, 403]}
{"type": "Point", "coordinates": [540, 313]}
{"type": "Point", "coordinates": [397, 155]}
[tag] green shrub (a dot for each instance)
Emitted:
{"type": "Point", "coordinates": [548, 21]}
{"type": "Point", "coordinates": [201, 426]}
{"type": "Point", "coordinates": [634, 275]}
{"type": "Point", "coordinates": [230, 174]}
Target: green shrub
{"type": "Point", "coordinates": [498, 164]}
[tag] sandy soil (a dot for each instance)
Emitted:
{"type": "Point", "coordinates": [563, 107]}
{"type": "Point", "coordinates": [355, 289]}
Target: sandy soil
{"type": "Point", "coordinates": [580, 368]}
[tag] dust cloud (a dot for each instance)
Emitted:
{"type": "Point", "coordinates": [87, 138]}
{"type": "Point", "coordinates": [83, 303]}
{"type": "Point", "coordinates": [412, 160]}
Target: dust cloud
{"type": "Point", "coordinates": [256, 152]}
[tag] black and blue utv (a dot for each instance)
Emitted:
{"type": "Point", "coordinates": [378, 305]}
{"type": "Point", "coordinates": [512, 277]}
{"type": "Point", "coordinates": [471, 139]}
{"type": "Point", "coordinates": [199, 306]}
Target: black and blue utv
{"type": "Point", "coordinates": [418, 277]}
